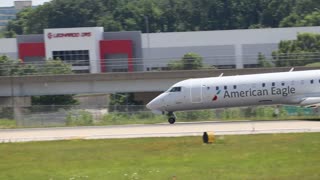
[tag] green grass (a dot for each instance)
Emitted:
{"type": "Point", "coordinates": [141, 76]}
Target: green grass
{"type": "Point", "coordinates": [317, 64]}
{"type": "Point", "coordinates": [278, 156]}
{"type": "Point", "coordinates": [7, 123]}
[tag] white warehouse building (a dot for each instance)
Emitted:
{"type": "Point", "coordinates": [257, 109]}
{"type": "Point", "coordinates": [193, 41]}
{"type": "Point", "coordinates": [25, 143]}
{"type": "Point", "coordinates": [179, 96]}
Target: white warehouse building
{"type": "Point", "coordinates": [226, 48]}
{"type": "Point", "coordinates": [134, 51]}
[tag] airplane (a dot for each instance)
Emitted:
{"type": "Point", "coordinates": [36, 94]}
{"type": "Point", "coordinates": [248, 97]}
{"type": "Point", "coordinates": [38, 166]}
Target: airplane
{"type": "Point", "coordinates": [288, 88]}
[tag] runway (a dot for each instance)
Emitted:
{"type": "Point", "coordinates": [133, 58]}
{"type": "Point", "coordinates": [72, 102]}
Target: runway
{"type": "Point", "coordinates": [158, 130]}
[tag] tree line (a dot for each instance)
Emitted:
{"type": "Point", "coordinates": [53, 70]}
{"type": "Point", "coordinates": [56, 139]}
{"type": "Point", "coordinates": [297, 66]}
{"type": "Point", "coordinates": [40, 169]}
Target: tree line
{"type": "Point", "coordinates": [303, 51]}
{"type": "Point", "coordinates": [166, 15]}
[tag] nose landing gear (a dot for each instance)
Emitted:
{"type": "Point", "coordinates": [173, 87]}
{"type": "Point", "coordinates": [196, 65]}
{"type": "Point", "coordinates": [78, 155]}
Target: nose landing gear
{"type": "Point", "coordinates": [171, 118]}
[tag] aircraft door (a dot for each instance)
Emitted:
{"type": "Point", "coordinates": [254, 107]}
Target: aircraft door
{"type": "Point", "coordinates": [196, 91]}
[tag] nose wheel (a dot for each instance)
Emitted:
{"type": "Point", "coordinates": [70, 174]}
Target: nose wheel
{"type": "Point", "coordinates": [171, 118]}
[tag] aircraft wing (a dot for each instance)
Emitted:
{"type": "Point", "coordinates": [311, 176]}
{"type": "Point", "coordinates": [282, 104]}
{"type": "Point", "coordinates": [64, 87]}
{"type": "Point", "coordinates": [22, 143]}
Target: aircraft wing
{"type": "Point", "coordinates": [310, 102]}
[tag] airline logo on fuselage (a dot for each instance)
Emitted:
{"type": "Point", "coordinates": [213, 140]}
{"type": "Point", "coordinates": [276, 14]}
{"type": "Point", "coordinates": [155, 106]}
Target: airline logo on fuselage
{"type": "Point", "coordinates": [274, 91]}
{"type": "Point", "coordinates": [216, 96]}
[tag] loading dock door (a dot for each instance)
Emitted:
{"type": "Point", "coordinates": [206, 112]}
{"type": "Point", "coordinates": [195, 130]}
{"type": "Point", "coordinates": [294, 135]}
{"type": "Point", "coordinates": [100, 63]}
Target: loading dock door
{"type": "Point", "coordinates": [116, 62]}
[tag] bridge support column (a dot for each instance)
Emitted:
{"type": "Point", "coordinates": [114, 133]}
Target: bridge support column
{"type": "Point", "coordinates": [18, 115]}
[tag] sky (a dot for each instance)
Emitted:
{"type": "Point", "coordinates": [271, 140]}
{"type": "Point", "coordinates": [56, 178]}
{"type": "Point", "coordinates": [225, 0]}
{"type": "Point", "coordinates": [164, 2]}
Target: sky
{"type": "Point", "coordinates": [8, 3]}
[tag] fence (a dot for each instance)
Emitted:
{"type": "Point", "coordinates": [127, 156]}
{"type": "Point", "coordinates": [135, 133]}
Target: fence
{"type": "Point", "coordinates": [46, 116]}
{"type": "Point", "coordinates": [157, 64]}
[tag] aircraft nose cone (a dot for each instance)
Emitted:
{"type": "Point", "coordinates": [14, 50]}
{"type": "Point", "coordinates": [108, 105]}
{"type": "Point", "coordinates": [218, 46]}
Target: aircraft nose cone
{"type": "Point", "coordinates": [155, 104]}
{"type": "Point", "coordinates": [150, 105]}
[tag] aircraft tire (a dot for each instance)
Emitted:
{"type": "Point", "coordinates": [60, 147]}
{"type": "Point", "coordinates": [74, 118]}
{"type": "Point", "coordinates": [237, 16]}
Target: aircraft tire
{"type": "Point", "coordinates": [172, 120]}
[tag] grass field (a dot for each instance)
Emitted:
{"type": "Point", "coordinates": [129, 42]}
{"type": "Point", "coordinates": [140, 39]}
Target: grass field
{"type": "Point", "coordinates": [7, 123]}
{"type": "Point", "coordinates": [279, 156]}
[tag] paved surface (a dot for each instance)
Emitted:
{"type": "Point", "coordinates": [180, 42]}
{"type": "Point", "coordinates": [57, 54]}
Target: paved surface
{"type": "Point", "coordinates": [158, 130]}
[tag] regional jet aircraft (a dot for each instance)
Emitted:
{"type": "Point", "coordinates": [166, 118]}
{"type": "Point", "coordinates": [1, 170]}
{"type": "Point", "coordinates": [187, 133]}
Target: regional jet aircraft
{"type": "Point", "coordinates": [292, 88]}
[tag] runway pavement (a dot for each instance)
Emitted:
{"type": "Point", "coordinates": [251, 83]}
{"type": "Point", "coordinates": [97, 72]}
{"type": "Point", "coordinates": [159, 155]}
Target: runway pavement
{"type": "Point", "coordinates": [158, 130]}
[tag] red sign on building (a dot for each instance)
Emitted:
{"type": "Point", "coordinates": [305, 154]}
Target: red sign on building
{"type": "Point", "coordinates": [65, 35]}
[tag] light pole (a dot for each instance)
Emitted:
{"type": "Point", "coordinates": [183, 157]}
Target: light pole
{"type": "Point", "coordinates": [15, 110]}
{"type": "Point", "coordinates": [147, 30]}
{"type": "Point", "coordinates": [11, 85]}
{"type": "Point", "coordinates": [148, 38]}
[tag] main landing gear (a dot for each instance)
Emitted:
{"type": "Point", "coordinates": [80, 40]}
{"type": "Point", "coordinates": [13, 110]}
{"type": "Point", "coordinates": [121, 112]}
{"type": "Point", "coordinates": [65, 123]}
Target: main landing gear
{"type": "Point", "coordinates": [171, 118]}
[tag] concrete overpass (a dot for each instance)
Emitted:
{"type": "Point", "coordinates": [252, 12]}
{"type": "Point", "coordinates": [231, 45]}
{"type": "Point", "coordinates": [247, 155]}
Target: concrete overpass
{"type": "Point", "coordinates": [111, 82]}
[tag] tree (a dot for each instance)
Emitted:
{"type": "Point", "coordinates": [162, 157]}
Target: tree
{"type": "Point", "coordinates": [124, 102]}
{"type": "Point", "coordinates": [263, 62]}
{"type": "Point", "coordinates": [54, 100]}
{"type": "Point", "coordinates": [189, 61]}
{"type": "Point", "coordinates": [304, 50]}
{"type": "Point", "coordinates": [175, 65]}
{"type": "Point", "coordinates": [306, 6]}
{"type": "Point", "coordinates": [275, 11]}
{"type": "Point", "coordinates": [290, 21]}
{"type": "Point", "coordinates": [5, 66]}
{"type": "Point", "coordinates": [54, 67]}
{"type": "Point", "coordinates": [19, 24]}
{"type": "Point", "coordinates": [295, 20]}
{"type": "Point", "coordinates": [9, 67]}
{"type": "Point", "coordinates": [304, 13]}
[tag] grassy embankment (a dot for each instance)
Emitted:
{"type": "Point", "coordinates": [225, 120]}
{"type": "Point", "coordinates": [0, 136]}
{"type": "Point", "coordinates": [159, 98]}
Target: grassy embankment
{"type": "Point", "coordinates": [279, 156]}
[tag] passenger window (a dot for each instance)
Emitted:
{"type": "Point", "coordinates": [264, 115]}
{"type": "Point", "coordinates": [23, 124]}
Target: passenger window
{"type": "Point", "coordinates": [282, 83]}
{"type": "Point", "coordinates": [311, 81]}
{"type": "Point", "coordinates": [176, 89]}
{"type": "Point", "coordinates": [225, 87]}
{"type": "Point", "coordinates": [263, 84]}
{"type": "Point", "coordinates": [217, 88]}
{"type": "Point", "coordinates": [234, 87]}
{"type": "Point", "coordinates": [273, 84]}
{"type": "Point", "coordinates": [292, 83]}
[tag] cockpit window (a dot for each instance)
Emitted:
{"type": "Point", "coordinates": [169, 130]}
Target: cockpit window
{"type": "Point", "coordinates": [175, 89]}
